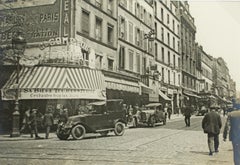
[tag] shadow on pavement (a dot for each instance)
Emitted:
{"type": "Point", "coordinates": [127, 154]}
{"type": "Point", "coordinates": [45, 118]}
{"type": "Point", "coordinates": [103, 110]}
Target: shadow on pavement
{"type": "Point", "coordinates": [199, 152]}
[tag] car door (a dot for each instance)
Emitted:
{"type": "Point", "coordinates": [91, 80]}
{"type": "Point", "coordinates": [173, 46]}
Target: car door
{"type": "Point", "coordinates": [98, 119]}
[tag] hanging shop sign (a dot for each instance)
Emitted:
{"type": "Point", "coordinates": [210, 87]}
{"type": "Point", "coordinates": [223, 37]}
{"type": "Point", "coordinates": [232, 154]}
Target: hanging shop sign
{"type": "Point", "coordinates": [60, 94]}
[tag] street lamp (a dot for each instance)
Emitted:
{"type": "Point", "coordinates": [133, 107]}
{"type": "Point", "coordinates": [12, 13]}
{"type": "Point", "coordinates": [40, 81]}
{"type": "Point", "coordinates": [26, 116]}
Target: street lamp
{"type": "Point", "coordinates": [18, 46]}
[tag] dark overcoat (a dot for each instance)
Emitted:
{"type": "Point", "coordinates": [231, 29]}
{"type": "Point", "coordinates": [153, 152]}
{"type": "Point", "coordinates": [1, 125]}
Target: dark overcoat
{"type": "Point", "coordinates": [212, 123]}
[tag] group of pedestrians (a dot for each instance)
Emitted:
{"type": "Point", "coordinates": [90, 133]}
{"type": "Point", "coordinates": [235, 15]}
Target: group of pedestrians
{"type": "Point", "coordinates": [33, 119]}
{"type": "Point", "coordinates": [212, 125]}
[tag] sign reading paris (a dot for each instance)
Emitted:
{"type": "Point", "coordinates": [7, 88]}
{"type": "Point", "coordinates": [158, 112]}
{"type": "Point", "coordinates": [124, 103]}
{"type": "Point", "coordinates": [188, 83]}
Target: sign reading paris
{"type": "Point", "coordinates": [39, 23]}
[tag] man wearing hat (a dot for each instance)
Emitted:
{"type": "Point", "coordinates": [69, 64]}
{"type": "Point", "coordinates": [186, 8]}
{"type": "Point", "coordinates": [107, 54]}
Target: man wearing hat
{"type": "Point", "coordinates": [233, 121]}
{"type": "Point", "coordinates": [34, 124]}
{"type": "Point", "coordinates": [211, 125]}
{"type": "Point", "coordinates": [48, 120]}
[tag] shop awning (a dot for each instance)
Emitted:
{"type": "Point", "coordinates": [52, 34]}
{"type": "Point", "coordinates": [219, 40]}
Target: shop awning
{"type": "Point", "coordinates": [46, 82]}
{"type": "Point", "coordinates": [145, 88]}
{"type": "Point", "coordinates": [191, 94]}
{"type": "Point", "coordinates": [163, 95]}
{"type": "Point", "coordinates": [121, 84]}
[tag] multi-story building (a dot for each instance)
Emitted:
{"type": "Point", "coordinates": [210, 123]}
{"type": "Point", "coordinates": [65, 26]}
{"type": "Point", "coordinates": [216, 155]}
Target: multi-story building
{"type": "Point", "coordinates": [135, 50]}
{"type": "Point", "coordinates": [204, 81]}
{"type": "Point", "coordinates": [221, 78]}
{"type": "Point", "coordinates": [232, 89]}
{"type": "Point", "coordinates": [187, 52]}
{"type": "Point", "coordinates": [167, 47]}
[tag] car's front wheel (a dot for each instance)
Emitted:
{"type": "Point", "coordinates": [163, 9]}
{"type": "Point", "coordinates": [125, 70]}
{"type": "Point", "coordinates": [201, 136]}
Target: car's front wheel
{"type": "Point", "coordinates": [78, 132]}
{"type": "Point", "coordinates": [119, 129]}
{"type": "Point", "coordinates": [61, 135]}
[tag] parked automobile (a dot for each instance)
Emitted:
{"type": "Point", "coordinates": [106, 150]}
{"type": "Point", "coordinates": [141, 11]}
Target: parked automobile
{"type": "Point", "coordinates": [152, 113]}
{"type": "Point", "coordinates": [101, 117]}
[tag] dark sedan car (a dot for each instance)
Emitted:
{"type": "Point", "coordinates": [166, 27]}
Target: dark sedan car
{"type": "Point", "coordinates": [102, 117]}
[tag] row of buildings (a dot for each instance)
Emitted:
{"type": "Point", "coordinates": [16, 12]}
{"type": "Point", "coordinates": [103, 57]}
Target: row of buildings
{"type": "Point", "coordinates": [82, 50]}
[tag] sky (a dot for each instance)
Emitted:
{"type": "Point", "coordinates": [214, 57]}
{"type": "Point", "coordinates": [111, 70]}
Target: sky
{"type": "Point", "coordinates": [218, 31]}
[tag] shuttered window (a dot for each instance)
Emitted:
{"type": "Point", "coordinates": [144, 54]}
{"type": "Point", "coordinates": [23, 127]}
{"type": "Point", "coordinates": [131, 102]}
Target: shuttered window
{"type": "Point", "coordinates": [131, 60]}
{"type": "Point", "coordinates": [138, 62]}
{"type": "Point", "coordinates": [130, 32]}
{"type": "Point", "coordinates": [85, 22]}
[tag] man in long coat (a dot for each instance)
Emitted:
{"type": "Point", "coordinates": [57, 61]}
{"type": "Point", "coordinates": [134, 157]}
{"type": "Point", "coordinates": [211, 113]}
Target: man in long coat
{"type": "Point", "coordinates": [211, 125]}
{"type": "Point", "coordinates": [233, 121]}
{"type": "Point", "coordinates": [48, 121]}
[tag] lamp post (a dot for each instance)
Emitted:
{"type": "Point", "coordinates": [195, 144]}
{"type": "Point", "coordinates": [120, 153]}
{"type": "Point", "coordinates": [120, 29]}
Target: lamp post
{"type": "Point", "coordinates": [18, 46]}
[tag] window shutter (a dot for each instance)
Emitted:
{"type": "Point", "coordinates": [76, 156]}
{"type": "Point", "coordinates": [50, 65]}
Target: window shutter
{"type": "Point", "coordinates": [135, 35]}
{"type": "Point", "coordinates": [125, 30]}
{"type": "Point", "coordinates": [119, 26]}
{"type": "Point", "coordinates": [141, 38]}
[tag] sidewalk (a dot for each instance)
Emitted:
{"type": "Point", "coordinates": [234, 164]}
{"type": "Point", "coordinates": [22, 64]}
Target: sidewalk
{"type": "Point", "coordinates": [26, 137]}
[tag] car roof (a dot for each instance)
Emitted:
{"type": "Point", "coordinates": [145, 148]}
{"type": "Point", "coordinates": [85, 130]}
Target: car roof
{"type": "Point", "coordinates": [153, 104]}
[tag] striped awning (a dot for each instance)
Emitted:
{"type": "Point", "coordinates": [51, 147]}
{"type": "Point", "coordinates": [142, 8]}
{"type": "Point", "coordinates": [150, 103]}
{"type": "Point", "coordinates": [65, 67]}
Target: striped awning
{"type": "Point", "coordinates": [45, 82]}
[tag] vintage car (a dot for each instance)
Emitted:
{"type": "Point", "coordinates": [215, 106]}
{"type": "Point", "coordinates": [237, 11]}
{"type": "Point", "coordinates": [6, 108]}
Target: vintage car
{"type": "Point", "coordinates": [152, 113]}
{"type": "Point", "coordinates": [102, 117]}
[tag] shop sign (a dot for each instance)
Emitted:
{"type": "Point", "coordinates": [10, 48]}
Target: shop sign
{"type": "Point", "coordinates": [37, 22]}
{"type": "Point", "coordinates": [64, 41]}
{"type": "Point", "coordinates": [60, 94]}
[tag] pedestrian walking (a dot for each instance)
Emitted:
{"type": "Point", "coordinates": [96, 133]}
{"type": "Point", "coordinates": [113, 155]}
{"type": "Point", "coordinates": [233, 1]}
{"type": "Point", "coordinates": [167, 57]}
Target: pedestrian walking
{"type": "Point", "coordinates": [233, 122]}
{"type": "Point", "coordinates": [34, 123]}
{"type": "Point", "coordinates": [211, 125]}
{"type": "Point", "coordinates": [187, 112]}
{"type": "Point", "coordinates": [48, 121]}
{"type": "Point", "coordinates": [26, 121]}
{"type": "Point", "coordinates": [169, 111]}
{"type": "Point", "coordinates": [63, 115]}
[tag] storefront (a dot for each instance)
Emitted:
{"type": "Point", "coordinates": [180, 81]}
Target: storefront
{"type": "Point", "coordinates": [40, 86]}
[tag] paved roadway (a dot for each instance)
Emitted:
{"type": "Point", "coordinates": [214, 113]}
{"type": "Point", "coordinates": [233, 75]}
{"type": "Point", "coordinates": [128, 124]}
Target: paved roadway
{"type": "Point", "coordinates": [170, 144]}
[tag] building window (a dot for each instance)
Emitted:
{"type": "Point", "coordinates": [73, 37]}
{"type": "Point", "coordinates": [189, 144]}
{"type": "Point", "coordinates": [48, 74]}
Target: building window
{"type": "Point", "coordinates": [173, 25]}
{"type": "Point", "coordinates": [167, 18]}
{"type": "Point", "coordinates": [155, 29]}
{"type": "Point", "coordinates": [162, 34]}
{"type": "Point", "coordinates": [150, 47]}
{"type": "Point", "coordinates": [169, 58]}
{"type": "Point", "coordinates": [138, 62]}
{"type": "Point", "coordinates": [174, 43]}
{"type": "Point", "coordinates": [156, 51]}
{"type": "Point", "coordinates": [179, 80]}
{"type": "Point", "coordinates": [174, 61]}
{"type": "Point", "coordinates": [174, 78]}
{"type": "Point", "coordinates": [98, 29]}
{"type": "Point", "coordinates": [130, 32]}
{"type": "Point", "coordinates": [85, 22]}
{"type": "Point", "coordinates": [98, 61]}
{"type": "Point", "coordinates": [130, 6]}
{"type": "Point", "coordinates": [162, 54]}
{"type": "Point", "coordinates": [155, 7]}
{"type": "Point", "coordinates": [122, 30]}
{"type": "Point", "coordinates": [122, 57]}
{"type": "Point", "coordinates": [137, 9]}
{"type": "Point", "coordinates": [168, 39]}
{"type": "Point", "coordinates": [162, 18]}
{"type": "Point", "coordinates": [162, 74]}
{"type": "Point", "coordinates": [130, 60]}
{"type": "Point", "coordinates": [137, 36]}
{"type": "Point", "coordinates": [110, 64]}
{"type": "Point", "coordinates": [98, 3]}
{"type": "Point", "coordinates": [178, 62]}
{"type": "Point", "coordinates": [144, 68]}
{"type": "Point", "coordinates": [150, 20]}
{"type": "Point", "coordinates": [110, 34]}
{"type": "Point", "coordinates": [110, 7]}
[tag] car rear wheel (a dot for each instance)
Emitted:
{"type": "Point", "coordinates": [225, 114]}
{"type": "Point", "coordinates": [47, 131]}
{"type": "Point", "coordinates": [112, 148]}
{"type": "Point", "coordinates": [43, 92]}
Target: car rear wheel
{"type": "Point", "coordinates": [119, 129]}
{"type": "Point", "coordinates": [78, 132]}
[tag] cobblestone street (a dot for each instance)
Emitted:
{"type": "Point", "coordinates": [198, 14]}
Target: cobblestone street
{"type": "Point", "coordinates": [170, 144]}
